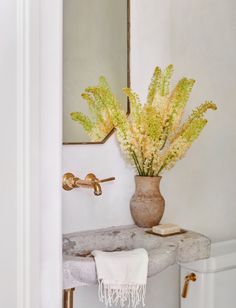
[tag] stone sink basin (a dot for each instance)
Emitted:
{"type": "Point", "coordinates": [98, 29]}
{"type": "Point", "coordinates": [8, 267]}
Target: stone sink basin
{"type": "Point", "coordinates": [79, 267]}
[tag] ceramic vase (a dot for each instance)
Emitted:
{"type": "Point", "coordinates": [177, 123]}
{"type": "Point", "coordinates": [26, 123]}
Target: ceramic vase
{"type": "Point", "coordinates": [147, 204]}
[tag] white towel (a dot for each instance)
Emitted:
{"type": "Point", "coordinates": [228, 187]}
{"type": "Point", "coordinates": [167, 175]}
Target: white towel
{"type": "Point", "coordinates": [122, 276]}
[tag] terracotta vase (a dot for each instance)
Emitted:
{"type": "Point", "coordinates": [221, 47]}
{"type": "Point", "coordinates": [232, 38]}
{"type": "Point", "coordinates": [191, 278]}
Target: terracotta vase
{"type": "Point", "coordinates": [147, 204]}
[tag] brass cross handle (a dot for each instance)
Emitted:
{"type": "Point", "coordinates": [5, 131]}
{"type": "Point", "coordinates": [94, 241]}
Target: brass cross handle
{"type": "Point", "coordinates": [188, 278]}
{"type": "Point", "coordinates": [92, 177]}
{"type": "Point", "coordinates": [70, 182]}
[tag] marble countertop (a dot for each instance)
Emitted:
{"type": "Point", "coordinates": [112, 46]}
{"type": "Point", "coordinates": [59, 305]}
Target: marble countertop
{"type": "Point", "coordinates": [79, 270]}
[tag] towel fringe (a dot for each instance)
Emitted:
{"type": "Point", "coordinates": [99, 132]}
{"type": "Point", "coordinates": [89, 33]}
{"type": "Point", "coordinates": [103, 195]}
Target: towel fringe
{"type": "Point", "coordinates": [133, 294]}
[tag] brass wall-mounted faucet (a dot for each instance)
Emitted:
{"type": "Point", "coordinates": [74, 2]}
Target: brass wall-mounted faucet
{"type": "Point", "coordinates": [70, 182]}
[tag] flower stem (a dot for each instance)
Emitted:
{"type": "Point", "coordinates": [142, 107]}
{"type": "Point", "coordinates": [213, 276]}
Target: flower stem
{"type": "Point", "coordinates": [137, 164]}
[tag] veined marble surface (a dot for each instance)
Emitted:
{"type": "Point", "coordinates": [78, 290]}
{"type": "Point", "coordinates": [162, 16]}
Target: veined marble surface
{"type": "Point", "coordinates": [162, 251]}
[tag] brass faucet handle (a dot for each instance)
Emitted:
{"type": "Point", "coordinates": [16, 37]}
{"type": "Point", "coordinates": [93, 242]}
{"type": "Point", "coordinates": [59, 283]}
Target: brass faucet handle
{"type": "Point", "coordinates": [188, 278]}
{"type": "Point", "coordinates": [68, 181]}
{"type": "Point", "coordinates": [107, 179]}
{"type": "Point", "coordinates": [92, 178]}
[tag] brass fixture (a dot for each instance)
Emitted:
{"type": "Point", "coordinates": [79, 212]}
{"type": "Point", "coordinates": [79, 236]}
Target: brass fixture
{"type": "Point", "coordinates": [70, 182]}
{"type": "Point", "coordinates": [187, 279]}
{"type": "Point", "coordinates": [68, 298]}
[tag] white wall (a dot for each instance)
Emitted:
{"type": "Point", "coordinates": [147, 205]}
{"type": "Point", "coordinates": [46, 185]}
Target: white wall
{"type": "Point", "coordinates": [200, 192]}
{"type": "Point", "coordinates": [83, 210]}
{"type": "Point", "coordinates": [198, 37]}
{"type": "Point", "coordinates": [8, 211]}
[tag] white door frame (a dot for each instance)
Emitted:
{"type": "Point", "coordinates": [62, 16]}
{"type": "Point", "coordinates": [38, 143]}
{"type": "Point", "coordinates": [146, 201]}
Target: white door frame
{"type": "Point", "coordinates": [39, 50]}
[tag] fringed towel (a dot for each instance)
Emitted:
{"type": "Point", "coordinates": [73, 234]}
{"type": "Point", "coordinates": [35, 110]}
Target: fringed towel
{"type": "Point", "coordinates": [122, 276]}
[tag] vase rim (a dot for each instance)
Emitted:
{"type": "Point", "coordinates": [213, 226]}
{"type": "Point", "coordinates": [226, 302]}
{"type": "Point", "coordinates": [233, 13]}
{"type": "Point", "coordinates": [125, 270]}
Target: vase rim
{"type": "Point", "coordinates": [149, 177]}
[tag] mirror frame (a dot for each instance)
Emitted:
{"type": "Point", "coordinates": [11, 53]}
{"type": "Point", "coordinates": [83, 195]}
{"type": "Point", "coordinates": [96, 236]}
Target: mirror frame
{"type": "Point", "coordinates": [128, 82]}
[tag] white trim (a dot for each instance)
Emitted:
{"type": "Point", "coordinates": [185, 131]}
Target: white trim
{"type": "Point", "coordinates": [51, 146]}
{"type": "Point", "coordinates": [39, 145]}
{"type": "Point", "coordinates": [28, 142]}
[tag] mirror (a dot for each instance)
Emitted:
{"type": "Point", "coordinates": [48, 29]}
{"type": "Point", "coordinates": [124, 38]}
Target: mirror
{"type": "Point", "coordinates": [95, 43]}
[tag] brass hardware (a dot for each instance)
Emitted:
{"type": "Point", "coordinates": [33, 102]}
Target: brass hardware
{"type": "Point", "coordinates": [188, 278]}
{"type": "Point", "coordinates": [69, 182]}
{"type": "Point", "coordinates": [68, 298]}
{"type": "Point", "coordinates": [107, 180]}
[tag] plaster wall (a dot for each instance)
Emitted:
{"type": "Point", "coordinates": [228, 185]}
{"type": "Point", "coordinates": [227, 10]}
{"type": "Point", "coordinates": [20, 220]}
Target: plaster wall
{"type": "Point", "coordinates": [198, 37]}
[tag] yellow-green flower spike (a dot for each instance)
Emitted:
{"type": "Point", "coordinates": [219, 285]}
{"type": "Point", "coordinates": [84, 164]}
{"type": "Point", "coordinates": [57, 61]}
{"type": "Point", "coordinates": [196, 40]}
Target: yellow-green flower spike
{"type": "Point", "coordinates": [153, 136]}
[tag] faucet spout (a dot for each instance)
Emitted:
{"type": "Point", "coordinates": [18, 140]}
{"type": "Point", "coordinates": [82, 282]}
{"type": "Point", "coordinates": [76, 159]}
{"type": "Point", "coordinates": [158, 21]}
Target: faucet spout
{"type": "Point", "coordinates": [97, 189]}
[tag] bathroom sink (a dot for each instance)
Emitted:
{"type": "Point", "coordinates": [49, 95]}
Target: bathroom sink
{"type": "Point", "coordinates": [79, 266]}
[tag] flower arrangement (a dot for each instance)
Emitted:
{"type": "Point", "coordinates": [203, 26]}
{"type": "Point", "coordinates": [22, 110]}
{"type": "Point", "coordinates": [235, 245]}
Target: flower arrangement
{"type": "Point", "coordinates": [100, 124]}
{"type": "Point", "coordinates": [153, 136]}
